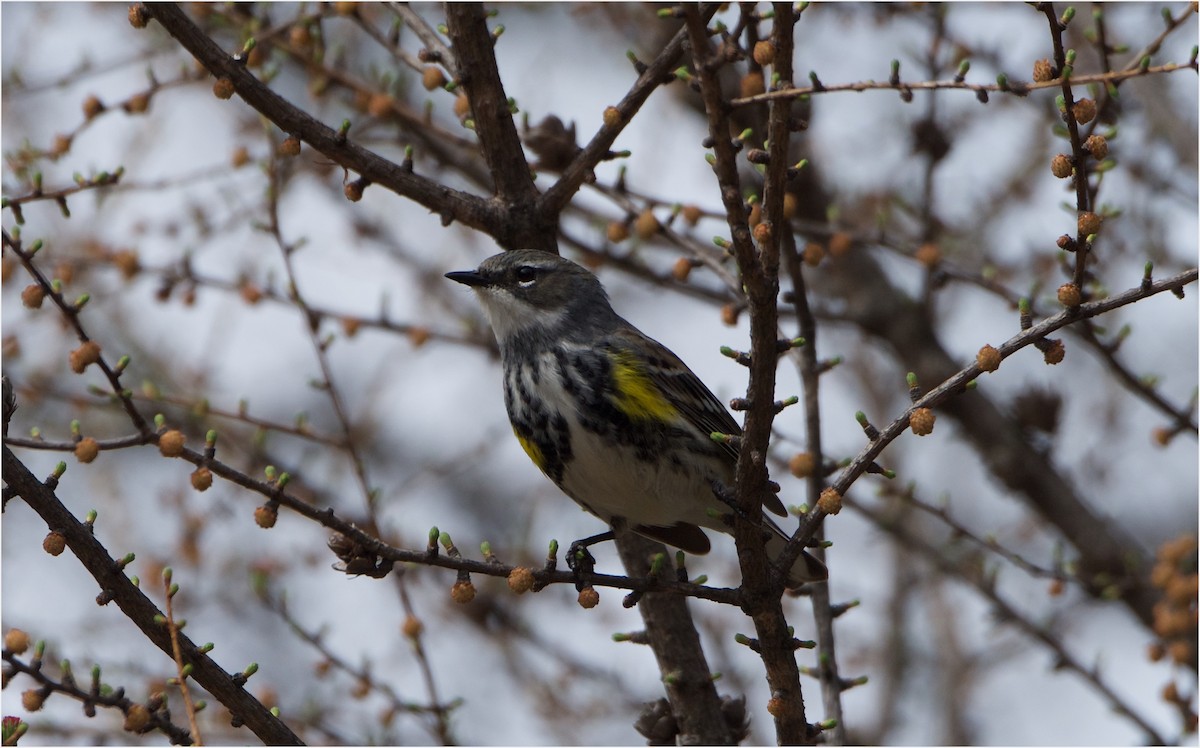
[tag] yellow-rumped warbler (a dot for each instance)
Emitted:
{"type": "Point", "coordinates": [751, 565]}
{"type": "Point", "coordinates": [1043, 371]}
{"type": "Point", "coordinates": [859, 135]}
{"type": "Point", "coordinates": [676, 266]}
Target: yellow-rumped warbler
{"type": "Point", "coordinates": [614, 418]}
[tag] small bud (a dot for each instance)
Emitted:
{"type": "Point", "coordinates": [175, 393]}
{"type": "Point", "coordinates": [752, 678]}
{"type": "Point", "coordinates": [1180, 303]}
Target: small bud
{"type": "Point", "coordinates": [170, 444]}
{"type": "Point", "coordinates": [839, 244]}
{"type": "Point", "coordinates": [137, 16]}
{"type": "Point", "coordinates": [353, 190]}
{"type": "Point", "coordinates": [32, 297]}
{"type": "Point", "coordinates": [16, 641]}
{"type": "Point", "coordinates": [462, 107]}
{"type": "Point", "coordinates": [755, 216]}
{"type": "Point", "coordinates": [250, 293]}
{"type": "Point", "coordinates": [802, 464]}
{"type": "Point", "coordinates": [520, 580]}
{"type": "Point", "coordinates": [921, 421]}
{"type": "Point", "coordinates": [612, 116]}
{"type": "Point", "coordinates": [62, 144]}
{"type": "Point", "coordinates": [1060, 166]}
{"type": "Point", "coordinates": [928, 254]}
{"type": "Point", "coordinates": [432, 77]}
{"type": "Point", "coordinates": [33, 699]}
{"type": "Point", "coordinates": [588, 598]}
{"type": "Point", "coordinates": [381, 103]}
{"type": "Point", "coordinates": [139, 103]}
{"type": "Point", "coordinates": [240, 157]}
{"type": "Point", "coordinates": [1084, 111]}
{"type": "Point", "coordinates": [1069, 295]}
{"type": "Point", "coordinates": [691, 214]}
{"type": "Point", "coordinates": [813, 254]}
{"type": "Point", "coordinates": [729, 314]}
{"type": "Point", "coordinates": [1054, 352]}
{"type": "Point", "coordinates": [830, 501]}
{"type": "Point", "coordinates": [617, 232]}
{"type": "Point", "coordinates": [1097, 146]}
{"type": "Point", "coordinates": [84, 356]}
{"type": "Point", "coordinates": [762, 232]}
{"type": "Point", "coordinates": [764, 52]}
{"type": "Point", "coordinates": [86, 449]}
{"type": "Point", "coordinates": [202, 479]}
{"type": "Point", "coordinates": [1181, 650]}
{"type": "Point", "coordinates": [290, 146]}
{"type": "Point", "coordinates": [300, 35]}
{"type": "Point", "coordinates": [775, 706]}
{"type": "Point", "coordinates": [92, 106]}
{"type": "Point", "coordinates": [418, 336]}
{"type": "Point", "coordinates": [681, 269]}
{"type": "Point", "coordinates": [752, 84]}
{"type": "Point", "coordinates": [265, 515]}
{"type": "Point", "coordinates": [988, 358]}
{"type": "Point", "coordinates": [1089, 223]}
{"type": "Point", "coordinates": [137, 718]}
{"type": "Point", "coordinates": [127, 262]}
{"type": "Point", "coordinates": [412, 627]}
{"type": "Point", "coordinates": [790, 203]}
{"type": "Point", "coordinates": [54, 543]}
{"type": "Point", "coordinates": [646, 225]}
{"type": "Point", "coordinates": [223, 88]}
{"type": "Point", "coordinates": [1043, 71]}
{"type": "Point", "coordinates": [462, 592]}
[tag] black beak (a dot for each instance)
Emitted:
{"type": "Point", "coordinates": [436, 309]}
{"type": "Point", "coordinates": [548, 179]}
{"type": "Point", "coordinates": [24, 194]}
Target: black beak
{"type": "Point", "coordinates": [468, 278]}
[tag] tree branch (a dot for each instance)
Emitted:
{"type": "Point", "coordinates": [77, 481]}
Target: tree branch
{"type": "Point", "coordinates": [760, 277]}
{"type": "Point", "coordinates": [516, 195]}
{"type": "Point", "coordinates": [138, 608]}
{"type": "Point", "coordinates": [450, 204]}
{"type": "Point", "coordinates": [1105, 549]}
{"type": "Point", "coordinates": [672, 635]}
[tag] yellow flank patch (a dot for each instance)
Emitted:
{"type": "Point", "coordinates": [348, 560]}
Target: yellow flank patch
{"type": "Point", "coordinates": [532, 449]}
{"type": "Point", "coordinates": [636, 396]}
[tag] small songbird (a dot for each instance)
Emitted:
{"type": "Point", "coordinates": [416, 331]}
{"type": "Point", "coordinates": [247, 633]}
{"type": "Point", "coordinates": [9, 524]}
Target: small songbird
{"type": "Point", "coordinates": [613, 417]}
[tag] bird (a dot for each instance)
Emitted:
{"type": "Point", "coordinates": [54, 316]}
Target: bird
{"type": "Point", "coordinates": [613, 417]}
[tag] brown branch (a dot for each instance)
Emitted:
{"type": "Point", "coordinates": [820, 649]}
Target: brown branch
{"type": "Point", "coordinates": [516, 194]}
{"type": "Point", "coordinates": [159, 719]}
{"type": "Point", "coordinates": [452, 205]}
{"type": "Point", "coordinates": [1079, 157]}
{"type": "Point", "coordinates": [1105, 549]}
{"type": "Point", "coordinates": [676, 644]}
{"type": "Point", "coordinates": [779, 119]}
{"type": "Point", "coordinates": [654, 75]}
{"type": "Point", "coordinates": [70, 312]}
{"type": "Point", "coordinates": [189, 706]}
{"type": "Point", "coordinates": [760, 277]}
{"type": "Point", "coordinates": [138, 608]}
{"type": "Point", "coordinates": [1006, 612]}
{"type": "Point", "coordinates": [951, 85]}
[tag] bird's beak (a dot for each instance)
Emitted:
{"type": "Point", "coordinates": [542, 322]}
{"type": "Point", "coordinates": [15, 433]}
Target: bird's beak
{"type": "Point", "coordinates": [468, 278]}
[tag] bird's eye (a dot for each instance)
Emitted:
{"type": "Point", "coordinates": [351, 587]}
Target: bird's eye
{"type": "Point", "coordinates": [526, 275]}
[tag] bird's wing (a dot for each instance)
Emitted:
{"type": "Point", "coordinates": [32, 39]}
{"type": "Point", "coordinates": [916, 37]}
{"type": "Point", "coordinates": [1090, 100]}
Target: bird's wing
{"type": "Point", "coordinates": [686, 393]}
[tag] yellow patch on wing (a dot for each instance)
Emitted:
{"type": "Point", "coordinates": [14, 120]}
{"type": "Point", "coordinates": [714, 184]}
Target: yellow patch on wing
{"type": "Point", "coordinates": [532, 449]}
{"type": "Point", "coordinates": [636, 394]}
